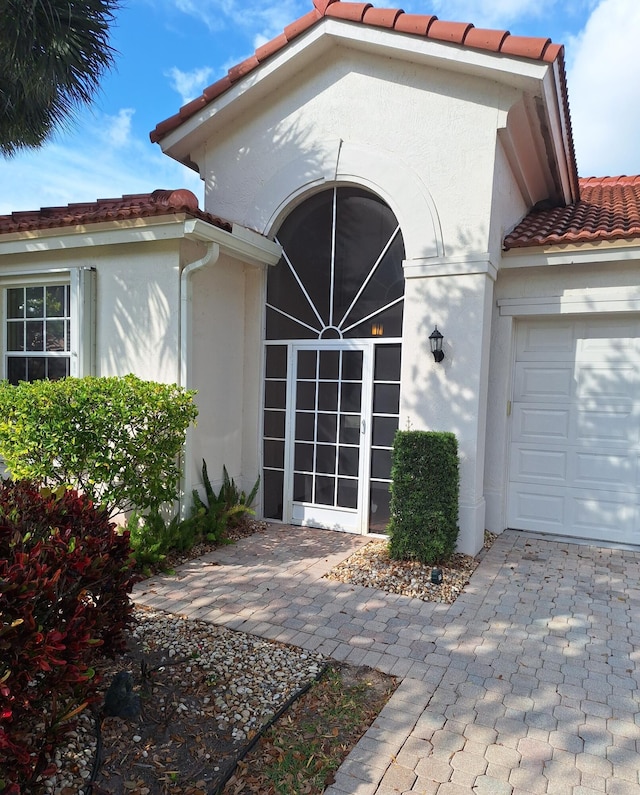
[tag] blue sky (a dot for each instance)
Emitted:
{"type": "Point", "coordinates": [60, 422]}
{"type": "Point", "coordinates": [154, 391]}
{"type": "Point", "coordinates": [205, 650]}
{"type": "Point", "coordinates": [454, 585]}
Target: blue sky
{"type": "Point", "coordinates": [169, 50]}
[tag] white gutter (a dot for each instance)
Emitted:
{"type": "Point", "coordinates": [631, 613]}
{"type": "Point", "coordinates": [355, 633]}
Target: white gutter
{"type": "Point", "coordinates": [186, 299]}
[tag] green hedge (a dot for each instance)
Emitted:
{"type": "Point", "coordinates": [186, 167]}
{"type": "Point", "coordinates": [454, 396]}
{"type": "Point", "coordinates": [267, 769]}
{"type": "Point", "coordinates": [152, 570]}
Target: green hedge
{"type": "Point", "coordinates": [424, 496]}
{"type": "Point", "coordinates": [116, 439]}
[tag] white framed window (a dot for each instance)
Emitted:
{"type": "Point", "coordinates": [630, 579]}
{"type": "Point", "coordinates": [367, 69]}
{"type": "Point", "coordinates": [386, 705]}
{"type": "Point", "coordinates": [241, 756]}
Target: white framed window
{"type": "Point", "coordinates": [38, 332]}
{"type": "Point", "coordinates": [48, 325]}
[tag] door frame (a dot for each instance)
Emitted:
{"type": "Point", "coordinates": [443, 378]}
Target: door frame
{"type": "Point", "coordinates": [361, 513]}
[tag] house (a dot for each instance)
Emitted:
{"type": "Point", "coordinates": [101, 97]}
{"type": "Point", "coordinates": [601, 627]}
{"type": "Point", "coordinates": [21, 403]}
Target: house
{"type": "Point", "coordinates": [382, 174]}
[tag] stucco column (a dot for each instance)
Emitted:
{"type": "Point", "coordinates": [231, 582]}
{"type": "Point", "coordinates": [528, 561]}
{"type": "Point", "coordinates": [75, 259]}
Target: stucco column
{"type": "Point", "coordinates": [456, 294]}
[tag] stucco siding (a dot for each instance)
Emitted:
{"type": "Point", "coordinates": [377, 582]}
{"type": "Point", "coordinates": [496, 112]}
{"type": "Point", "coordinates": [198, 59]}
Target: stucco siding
{"type": "Point", "coordinates": [441, 125]}
{"type": "Point", "coordinates": [136, 324]}
{"type": "Point", "coordinates": [217, 371]}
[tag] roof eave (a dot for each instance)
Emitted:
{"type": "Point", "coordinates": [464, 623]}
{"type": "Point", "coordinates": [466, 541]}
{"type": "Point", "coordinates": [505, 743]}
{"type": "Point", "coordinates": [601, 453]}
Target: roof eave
{"type": "Point", "coordinates": [148, 229]}
{"type": "Point", "coordinates": [597, 251]}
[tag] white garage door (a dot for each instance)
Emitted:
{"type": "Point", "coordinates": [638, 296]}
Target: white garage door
{"type": "Point", "coordinates": [575, 435]}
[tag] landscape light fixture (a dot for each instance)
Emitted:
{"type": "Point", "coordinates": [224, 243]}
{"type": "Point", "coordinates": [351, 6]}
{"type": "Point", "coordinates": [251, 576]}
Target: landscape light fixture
{"type": "Point", "coordinates": [435, 338]}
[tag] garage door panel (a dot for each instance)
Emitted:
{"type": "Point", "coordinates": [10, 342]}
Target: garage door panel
{"type": "Point", "coordinates": [616, 425]}
{"type": "Point", "coordinates": [609, 338]}
{"type": "Point", "coordinates": [543, 382]}
{"type": "Point", "coordinates": [608, 516]}
{"type": "Point", "coordinates": [613, 382]}
{"type": "Point", "coordinates": [603, 470]}
{"type": "Point", "coordinates": [608, 510]}
{"type": "Point", "coordinates": [540, 465]}
{"type": "Point", "coordinates": [574, 467]}
{"type": "Point", "coordinates": [534, 424]}
{"type": "Point", "coordinates": [541, 510]}
{"type": "Point", "coordinates": [542, 339]}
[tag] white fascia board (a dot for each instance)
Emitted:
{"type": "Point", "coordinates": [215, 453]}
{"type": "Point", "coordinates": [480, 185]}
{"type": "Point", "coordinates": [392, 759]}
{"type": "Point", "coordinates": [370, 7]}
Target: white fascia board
{"type": "Point", "coordinates": [461, 265]}
{"type": "Point", "coordinates": [552, 95]}
{"type": "Point", "coordinates": [242, 243]}
{"type": "Point", "coordinates": [573, 302]}
{"type": "Point", "coordinates": [100, 234]}
{"type": "Point", "coordinates": [605, 252]}
{"type": "Point", "coordinates": [505, 69]}
{"type": "Point", "coordinates": [310, 46]}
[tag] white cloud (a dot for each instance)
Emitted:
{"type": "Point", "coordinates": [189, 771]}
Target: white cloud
{"type": "Point", "coordinates": [116, 130]}
{"type": "Point", "coordinates": [485, 13]}
{"type": "Point", "coordinates": [89, 164]}
{"type": "Point", "coordinates": [604, 90]}
{"type": "Point", "coordinates": [261, 20]}
{"type": "Point", "coordinates": [189, 84]}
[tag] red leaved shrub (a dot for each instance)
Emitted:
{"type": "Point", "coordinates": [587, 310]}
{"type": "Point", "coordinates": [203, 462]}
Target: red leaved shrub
{"type": "Point", "coordinates": [65, 575]}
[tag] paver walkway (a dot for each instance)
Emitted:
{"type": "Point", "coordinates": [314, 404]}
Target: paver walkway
{"type": "Point", "coordinates": [528, 683]}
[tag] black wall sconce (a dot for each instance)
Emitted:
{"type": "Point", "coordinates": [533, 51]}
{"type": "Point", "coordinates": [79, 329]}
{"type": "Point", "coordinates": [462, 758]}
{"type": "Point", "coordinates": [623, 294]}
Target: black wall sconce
{"type": "Point", "coordinates": [435, 338]}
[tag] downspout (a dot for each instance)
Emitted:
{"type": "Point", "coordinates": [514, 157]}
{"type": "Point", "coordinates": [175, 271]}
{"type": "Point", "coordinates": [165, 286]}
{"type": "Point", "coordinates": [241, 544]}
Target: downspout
{"type": "Point", "coordinates": [186, 304]}
{"type": "Point", "coordinates": [243, 244]}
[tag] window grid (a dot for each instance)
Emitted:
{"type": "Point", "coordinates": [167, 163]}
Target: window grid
{"type": "Point", "coordinates": [379, 497]}
{"type": "Point", "coordinates": [274, 417]}
{"type": "Point", "coordinates": [37, 334]}
{"type": "Point", "coordinates": [334, 481]}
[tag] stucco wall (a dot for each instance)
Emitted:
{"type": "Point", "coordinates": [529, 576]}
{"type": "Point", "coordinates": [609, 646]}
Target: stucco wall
{"type": "Point", "coordinates": [137, 325]}
{"type": "Point", "coordinates": [137, 321]}
{"type": "Point", "coordinates": [440, 125]}
{"type": "Point", "coordinates": [226, 360]}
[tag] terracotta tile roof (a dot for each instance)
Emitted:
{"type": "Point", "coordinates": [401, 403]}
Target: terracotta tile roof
{"type": "Point", "coordinates": [125, 208]}
{"type": "Point", "coordinates": [608, 209]}
{"type": "Point", "coordinates": [425, 25]}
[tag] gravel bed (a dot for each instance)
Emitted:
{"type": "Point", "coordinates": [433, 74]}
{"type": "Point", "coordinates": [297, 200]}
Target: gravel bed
{"type": "Point", "coordinates": [211, 689]}
{"type": "Point", "coordinates": [209, 692]}
{"type": "Point", "coordinates": [372, 567]}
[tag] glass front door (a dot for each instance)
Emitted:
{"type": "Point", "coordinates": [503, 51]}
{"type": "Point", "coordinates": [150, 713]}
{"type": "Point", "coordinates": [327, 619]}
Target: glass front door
{"type": "Point", "coordinates": [330, 425]}
{"type": "Point", "coordinates": [331, 413]}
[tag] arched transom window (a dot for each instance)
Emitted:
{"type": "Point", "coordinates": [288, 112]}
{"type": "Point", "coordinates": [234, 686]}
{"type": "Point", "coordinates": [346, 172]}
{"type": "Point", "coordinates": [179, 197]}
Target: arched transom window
{"type": "Point", "coordinates": [340, 276]}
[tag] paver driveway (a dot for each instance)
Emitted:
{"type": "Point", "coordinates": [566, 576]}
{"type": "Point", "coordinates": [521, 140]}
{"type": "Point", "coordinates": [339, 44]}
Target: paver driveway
{"type": "Point", "coordinates": [527, 684]}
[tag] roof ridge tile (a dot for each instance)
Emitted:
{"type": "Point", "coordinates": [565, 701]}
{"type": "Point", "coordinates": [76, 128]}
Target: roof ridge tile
{"type": "Point", "coordinates": [382, 17]}
{"type": "Point", "coordinates": [415, 24]}
{"type": "Point", "coordinates": [525, 46]}
{"type": "Point", "coordinates": [353, 12]}
{"type": "Point", "coordinates": [302, 24]}
{"type": "Point", "coordinates": [486, 39]}
{"type": "Point", "coordinates": [454, 32]}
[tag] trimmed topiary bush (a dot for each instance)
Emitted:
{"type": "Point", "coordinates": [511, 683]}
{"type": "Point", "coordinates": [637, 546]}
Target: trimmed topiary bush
{"type": "Point", "coordinates": [424, 496]}
{"type": "Point", "coordinates": [65, 575]}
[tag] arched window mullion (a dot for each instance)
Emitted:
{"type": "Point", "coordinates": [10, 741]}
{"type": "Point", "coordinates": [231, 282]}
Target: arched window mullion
{"type": "Point", "coordinates": [368, 279]}
{"type": "Point", "coordinates": [334, 213]}
{"type": "Point", "coordinates": [295, 319]}
{"type": "Point", "coordinates": [348, 250]}
{"type": "Point", "coordinates": [302, 287]}
{"type": "Point", "coordinates": [373, 314]}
